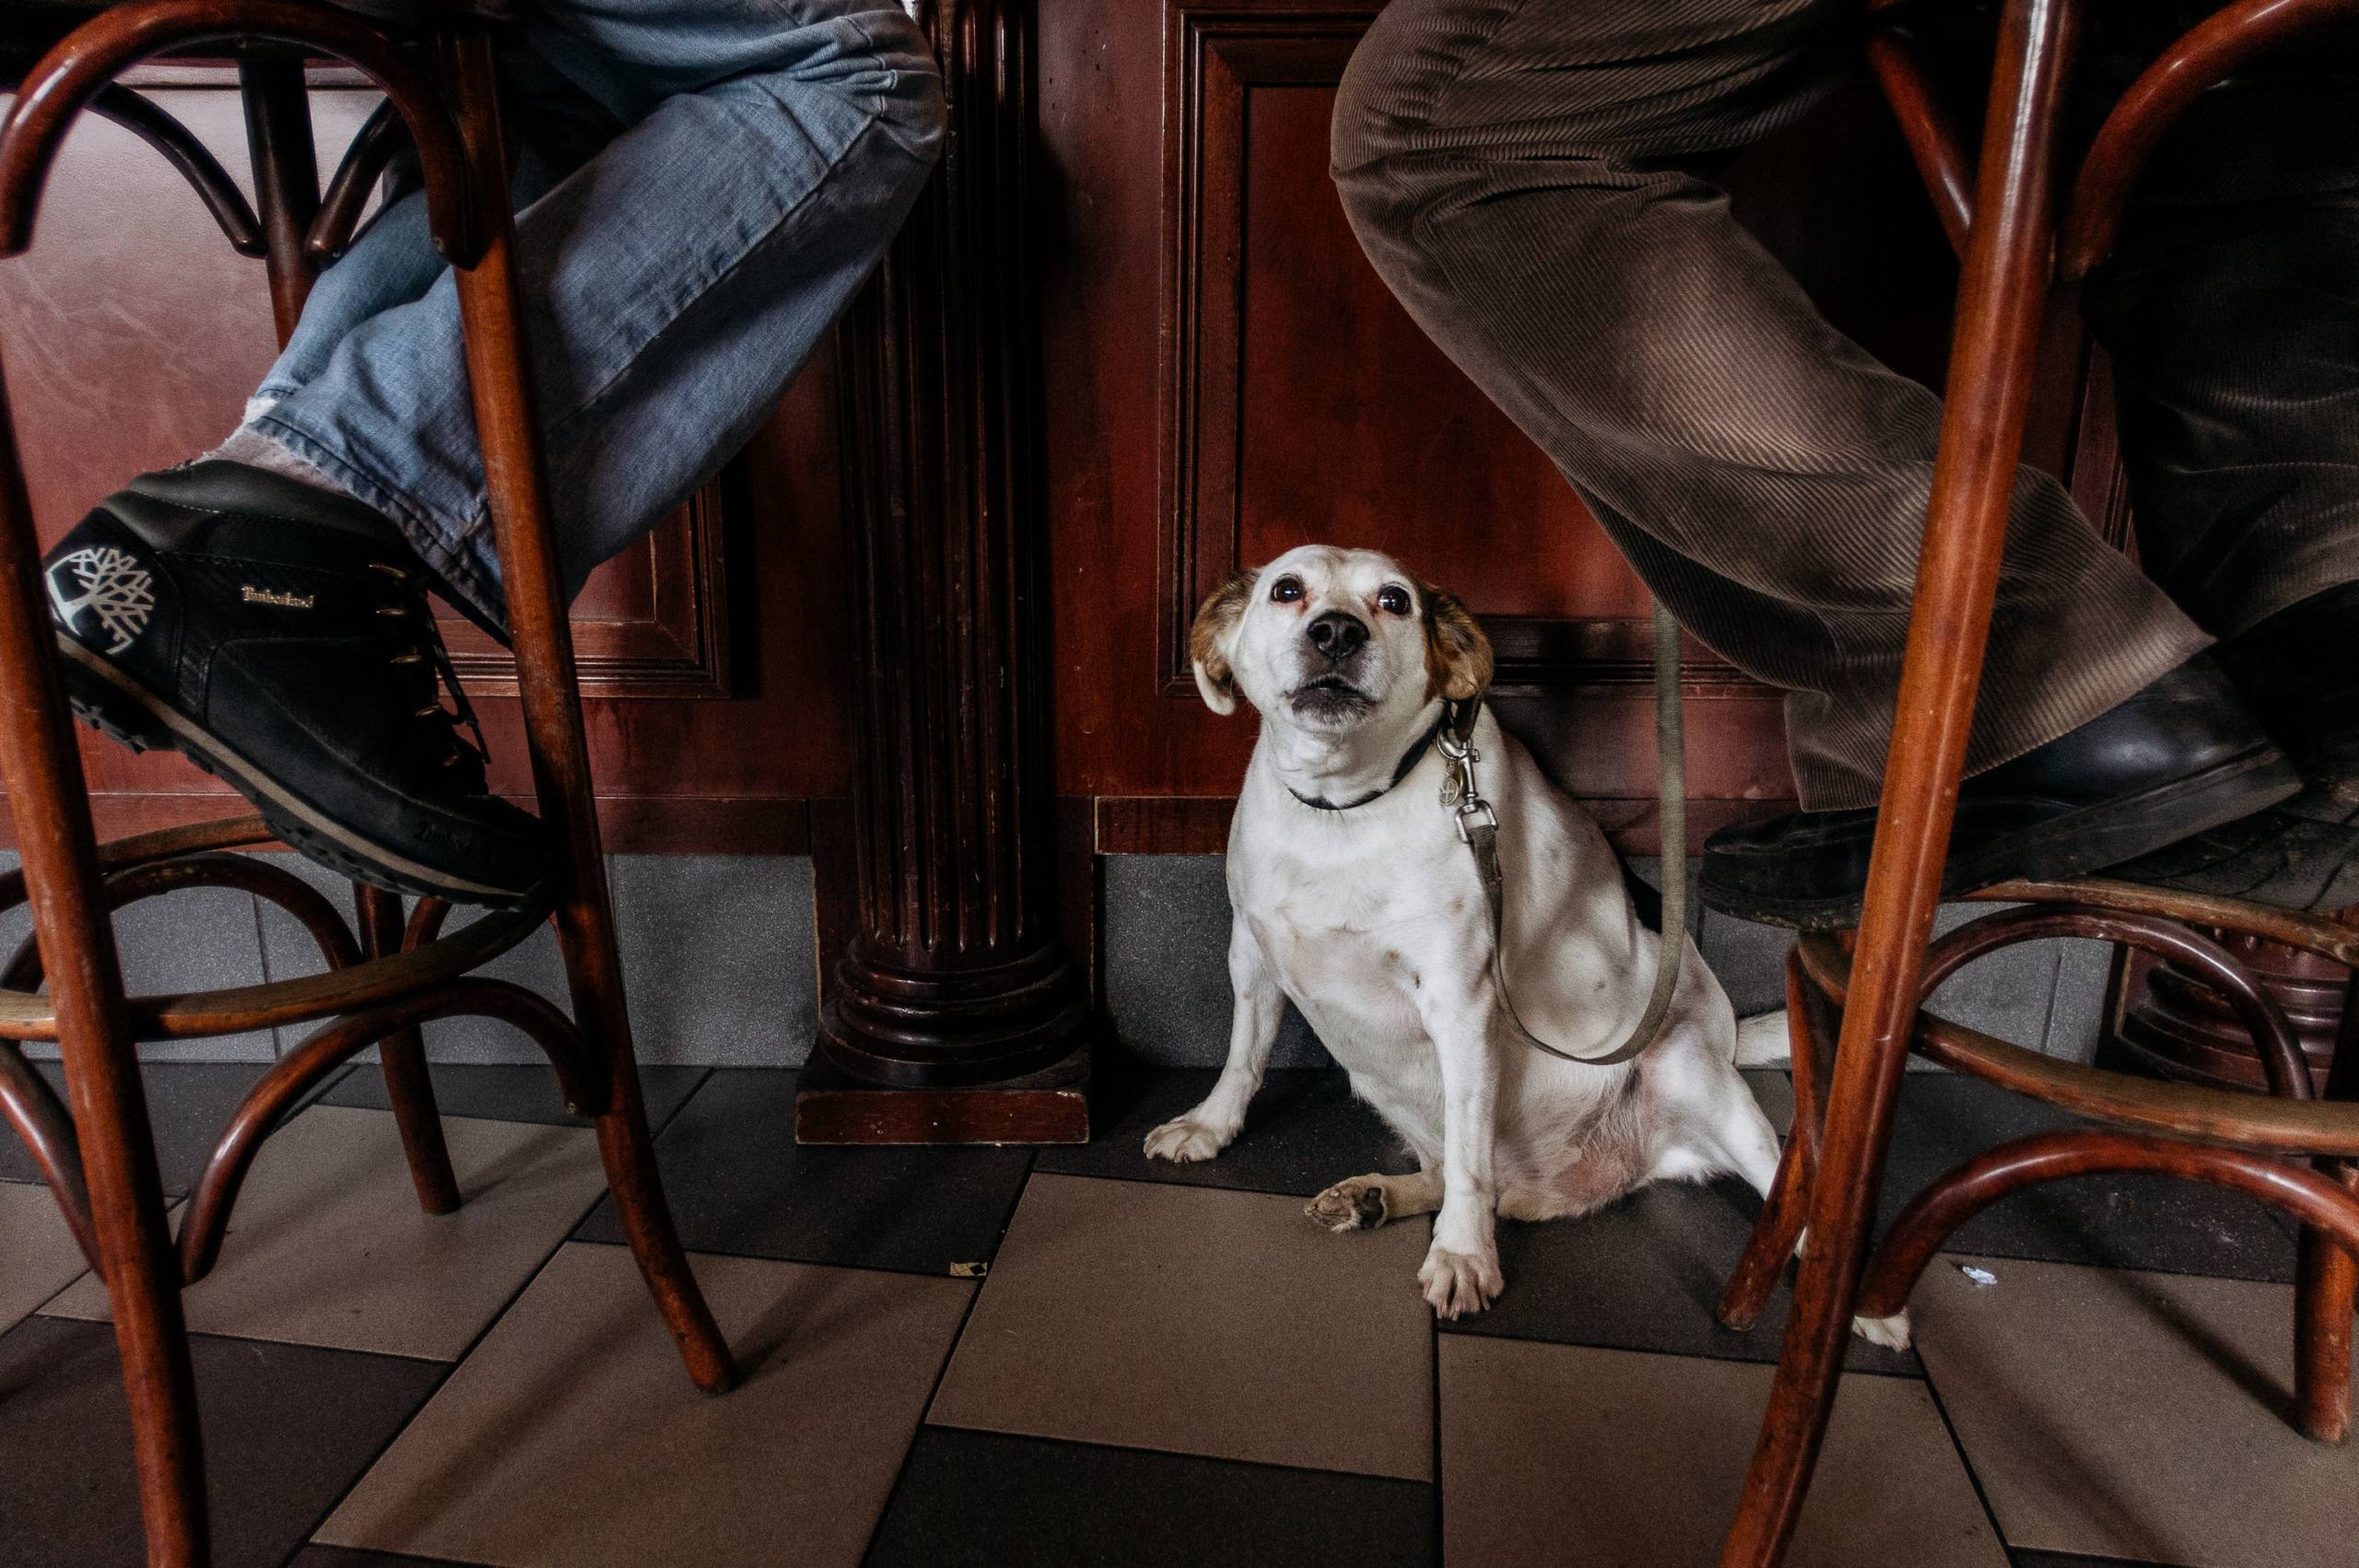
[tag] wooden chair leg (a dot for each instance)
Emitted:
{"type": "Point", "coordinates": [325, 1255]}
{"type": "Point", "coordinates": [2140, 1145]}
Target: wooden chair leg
{"type": "Point", "coordinates": [2326, 1285]}
{"type": "Point", "coordinates": [46, 794]}
{"type": "Point", "coordinates": [498, 373]}
{"type": "Point", "coordinates": [286, 177]}
{"type": "Point", "coordinates": [1779, 1228]}
{"type": "Point", "coordinates": [2000, 302]}
{"type": "Point", "coordinates": [408, 1086]}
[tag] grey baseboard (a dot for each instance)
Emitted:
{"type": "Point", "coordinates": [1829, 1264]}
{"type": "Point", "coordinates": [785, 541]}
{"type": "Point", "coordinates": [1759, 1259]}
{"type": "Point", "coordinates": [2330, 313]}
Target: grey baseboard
{"type": "Point", "coordinates": [719, 953]}
{"type": "Point", "coordinates": [1166, 959]}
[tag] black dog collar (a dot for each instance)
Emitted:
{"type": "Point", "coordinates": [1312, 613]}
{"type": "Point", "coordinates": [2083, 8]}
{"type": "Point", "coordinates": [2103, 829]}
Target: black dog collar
{"type": "Point", "coordinates": [1455, 716]}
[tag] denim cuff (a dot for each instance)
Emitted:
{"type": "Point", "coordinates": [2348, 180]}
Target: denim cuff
{"type": "Point", "coordinates": [458, 553]}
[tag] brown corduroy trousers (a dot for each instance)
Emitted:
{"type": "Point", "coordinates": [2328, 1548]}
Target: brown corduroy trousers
{"type": "Point", "coordinates": [1514, 170]}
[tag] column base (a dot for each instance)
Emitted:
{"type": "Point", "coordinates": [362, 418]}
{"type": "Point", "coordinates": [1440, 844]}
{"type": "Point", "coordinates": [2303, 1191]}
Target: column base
{"type": "Point", "coordinates": [1051, 1105]}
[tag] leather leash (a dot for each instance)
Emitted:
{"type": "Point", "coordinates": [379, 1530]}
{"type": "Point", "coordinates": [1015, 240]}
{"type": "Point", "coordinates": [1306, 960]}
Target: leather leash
{"type": "Point", "coordinates": [1478, 828]}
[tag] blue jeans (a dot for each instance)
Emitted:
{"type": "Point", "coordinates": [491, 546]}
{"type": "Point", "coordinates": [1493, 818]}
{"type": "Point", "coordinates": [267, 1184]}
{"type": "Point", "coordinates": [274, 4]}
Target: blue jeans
{"type": "Point", "coordinates": [702, 185]}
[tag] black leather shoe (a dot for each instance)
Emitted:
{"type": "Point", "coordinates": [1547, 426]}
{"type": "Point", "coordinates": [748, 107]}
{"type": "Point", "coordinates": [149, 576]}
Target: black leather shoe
{"type": "Point", "coordinates": [280, 637]}
{"type": "Point", "coordinates": [2299, 670]}
{"type": "Point", "coordinates": [2178, 757]}
{"type": "Point", "coordinates": [2303, 855]}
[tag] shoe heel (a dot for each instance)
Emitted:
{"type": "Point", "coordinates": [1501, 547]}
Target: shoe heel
{"type": "Point", "coordinates": [106, 708]}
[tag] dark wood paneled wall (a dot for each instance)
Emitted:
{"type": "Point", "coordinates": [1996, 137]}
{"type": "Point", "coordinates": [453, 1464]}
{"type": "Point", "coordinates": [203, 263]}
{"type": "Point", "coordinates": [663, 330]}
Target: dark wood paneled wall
{"type": "Point", "coordinates": [1224, 378]}
{"type": "Point", "coordinates": [1228, 379]}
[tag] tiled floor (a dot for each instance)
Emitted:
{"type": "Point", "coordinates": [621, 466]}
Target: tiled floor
{"type": "Point", "coordinates": [1076, 1357]}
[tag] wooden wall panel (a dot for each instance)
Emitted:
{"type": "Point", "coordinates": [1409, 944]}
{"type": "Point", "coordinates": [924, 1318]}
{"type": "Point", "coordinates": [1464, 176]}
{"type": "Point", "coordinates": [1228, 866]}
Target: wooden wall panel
{"type": "Point", "coordinates": [1206, 294]}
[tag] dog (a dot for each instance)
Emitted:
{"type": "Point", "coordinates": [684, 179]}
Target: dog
{"type": "Point", "coordinates": [1355, 896]}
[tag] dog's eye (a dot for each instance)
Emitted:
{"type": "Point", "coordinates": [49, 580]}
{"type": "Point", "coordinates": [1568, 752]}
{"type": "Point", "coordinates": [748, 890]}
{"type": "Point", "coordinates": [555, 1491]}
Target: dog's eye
{"type": "Point", "coordinates": [1392, 599]}
{"type": "Point", "coordinates": [1286, 590]}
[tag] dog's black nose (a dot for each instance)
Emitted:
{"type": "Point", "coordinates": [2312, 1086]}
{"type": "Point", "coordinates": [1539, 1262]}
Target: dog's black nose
{"type": "Point", "coordinates": [1336, 635]}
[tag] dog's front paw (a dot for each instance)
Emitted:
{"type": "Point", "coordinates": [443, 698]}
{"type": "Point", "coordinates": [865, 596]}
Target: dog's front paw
{"type": "Point", "coordinates": [1357, 1204]}
{"type": "Point", "coordinates": [1459, 1282]}
{"type": "Point", "coordinates": [1891, 1332]}
{"type": "Point", "coordinates": [1185, 1139]}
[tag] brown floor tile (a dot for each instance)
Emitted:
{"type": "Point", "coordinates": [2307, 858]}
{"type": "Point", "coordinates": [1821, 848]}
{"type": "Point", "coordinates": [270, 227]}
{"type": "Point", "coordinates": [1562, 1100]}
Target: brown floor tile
{"type": "Point", "coordinates": [983, 1500]}
{"type": "Point", "coordinates": [571, 1437]}
{"type": "Point", "coordinates": [1553, 1452]}
{"type": "Point", "coordinates": [328, 1246]}
{"type": "Point", "coordinates": [1224, 1323]}
{"type": "Point", "coordinates": [2136, 1415]}
{"type": "Point", "coordinates": [287, 1429]}
{"type": "Point", "coordinates": [38, 1257]}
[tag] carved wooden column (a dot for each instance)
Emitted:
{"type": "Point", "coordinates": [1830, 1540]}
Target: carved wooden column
{"type": "Point", "coordinates": [958, 1015]}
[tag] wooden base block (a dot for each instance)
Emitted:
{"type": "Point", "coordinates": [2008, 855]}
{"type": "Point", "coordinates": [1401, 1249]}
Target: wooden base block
{"type": "Point", "coordinates": [1051, 1105]}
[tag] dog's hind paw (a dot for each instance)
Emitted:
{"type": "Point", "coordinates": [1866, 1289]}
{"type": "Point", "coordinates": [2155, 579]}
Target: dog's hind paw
{"type": "Point", "coordinates": [1459, 1282]}
{"type": "Point", "coordinates": [1357, 1204]}
{"type": "Point", "coordinates": [1891, 1332]}
{"type": "Point", "coordinates": [1185, 1140]}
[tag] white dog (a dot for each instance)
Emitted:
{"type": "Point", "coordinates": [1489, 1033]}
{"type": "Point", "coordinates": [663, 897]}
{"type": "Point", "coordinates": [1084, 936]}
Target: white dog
{"type": "Point", "coordinates": [1355, 896]}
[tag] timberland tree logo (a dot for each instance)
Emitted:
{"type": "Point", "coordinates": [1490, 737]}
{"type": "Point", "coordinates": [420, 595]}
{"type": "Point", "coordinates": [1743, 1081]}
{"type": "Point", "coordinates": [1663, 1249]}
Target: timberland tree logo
{"type": "Point", "coordinates": [253, 596]}
{"type": "Point", "coordinates": [114, 588]}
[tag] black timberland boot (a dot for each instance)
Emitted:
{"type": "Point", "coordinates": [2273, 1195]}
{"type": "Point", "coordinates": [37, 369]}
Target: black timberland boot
{"type": "Point", "coordinates": [280, 637]}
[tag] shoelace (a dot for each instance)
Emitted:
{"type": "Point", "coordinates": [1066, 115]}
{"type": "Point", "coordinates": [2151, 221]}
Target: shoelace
{"type": "Point", "coordinates": [423, 651]}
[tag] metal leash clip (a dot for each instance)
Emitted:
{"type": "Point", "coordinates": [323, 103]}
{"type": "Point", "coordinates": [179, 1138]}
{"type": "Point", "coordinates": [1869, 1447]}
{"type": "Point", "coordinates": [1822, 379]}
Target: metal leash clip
{"type": "Point", "coordinates": [1459, 790]}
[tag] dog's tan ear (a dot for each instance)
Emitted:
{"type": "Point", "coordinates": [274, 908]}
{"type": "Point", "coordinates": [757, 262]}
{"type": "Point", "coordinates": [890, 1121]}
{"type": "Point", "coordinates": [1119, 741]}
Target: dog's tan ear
{"type": "Point", "coordinates": [1458, 656]}
{"type": "Point", "coordinates": [1214, 634]}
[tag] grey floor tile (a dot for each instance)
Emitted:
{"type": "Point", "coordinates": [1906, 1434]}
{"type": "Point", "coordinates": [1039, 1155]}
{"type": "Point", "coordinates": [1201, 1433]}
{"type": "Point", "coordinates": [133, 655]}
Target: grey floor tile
{"type": "Point", "coordinates": [1223, 1324]}
{"type": "Point", "coordinates": [1638, 1459]}
{"type": "Point", "coordinates": [2077, 1021]}
{"type": "Point", "coordinates": [514, 1092]}
{"type": "Point", "coordinates": [1649, 870]}
{"type": "Point", "coordinates": [1644, 1275]}
{"type": "Point", "coordinates": [739, 1183]}
{"type": "Point", "coordinates": [287, 1429]}
{"type": "Point", "coordinates": [533, 963]}
{"type": "Point", "coordinates": [328, 1246]}
{"type": "Point", "coordinates": [2136, 1415]}
{"type": "Point", "coordinates": [1774, 1088]}
{"type": "Point", "coordinates": [1303, 1133]}
{"type": "Point", "coordinates": [719, 955]}
{"type": "Point", "coordinates": [289, 951]}
{"type": "Point", "coordinates": [198, 938]}
{"type": "Point", "coordinates": [2008, 993]}
{"type": "Point", "coordinates": [188, 1104]}
{"type": "Point", "coordinates": [571, 1437]}
{"type": "Point", "coordinates": [38, 1257]}
{"type": "Point", "coordinates": [2129, 1222]}
{"type": "Point", "coordinates": [1749, 960]}
{"type": "Point", "coordinates": [981, 1500]}
{"type": "Point", "coordinates": [1166, 962]}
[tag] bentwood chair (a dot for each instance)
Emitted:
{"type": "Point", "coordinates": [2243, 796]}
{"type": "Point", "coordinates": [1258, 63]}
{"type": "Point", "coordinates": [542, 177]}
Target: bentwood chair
{"type": "Point", "coordinates": [2021, 221]}
{"type": "Point", "coordinates": [433, 60]}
